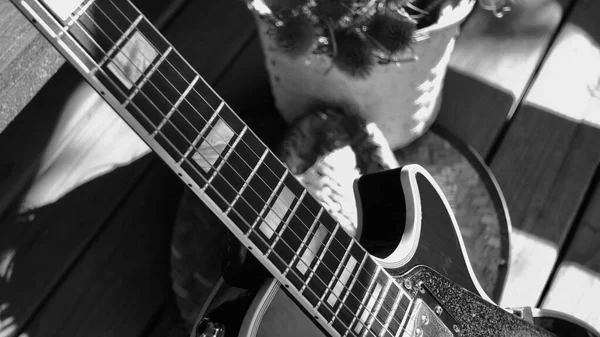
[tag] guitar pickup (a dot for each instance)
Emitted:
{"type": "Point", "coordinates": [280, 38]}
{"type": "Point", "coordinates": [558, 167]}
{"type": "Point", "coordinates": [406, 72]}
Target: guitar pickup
{"type": "Point", "coordinates": [429, 318]}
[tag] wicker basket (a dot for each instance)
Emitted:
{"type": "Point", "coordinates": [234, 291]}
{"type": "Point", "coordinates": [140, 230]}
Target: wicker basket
{"type": "Point", "coordinates": [403, 100]}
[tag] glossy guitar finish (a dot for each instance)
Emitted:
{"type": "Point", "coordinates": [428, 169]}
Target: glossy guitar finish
{"type": "Point", "coordinates": [425, 287]}
{"type": "Point", "coordinates": [430, 261]}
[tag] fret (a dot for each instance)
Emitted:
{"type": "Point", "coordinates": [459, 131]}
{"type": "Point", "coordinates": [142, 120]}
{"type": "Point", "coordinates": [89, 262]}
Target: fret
{"type": "Point", "coordinates": [379, 314]}
{"type": "Point", "coordinates": [310, 261]}
{"type": "Point", "coordinates": [199, 137]}
{"type": "Point", "coordinates": [273, 253]}
{"type": "Point", "coordinates": [74, 16]}
{"type": "Point", "coordinates": [344, 270]}
{"type": "Point", "coordinates": [266, 204]}
{"type": "Point", "coordinates": [288, 240]}
{"type": "Point", "coordinates": [208, 94]}
{"type": "Point", "coordinates": [105, 37]}
{"type": "Point", "coordinates": [179, 100]}
{"type": "Point", "coordinates": [332, 269]}
{"type": "Point", "coordinates": [121, 13]}
{"type": "Point", "coordinates": [148, 75]}
{"type": "Point", "coordinates": [346, 293]}
{"type": "Point", "coordinates": [254, 199]}
{"type": "Point", "coordinates": [320, 273]}
{"type": "Point", "coordinates": [187, 163]}
{"type": "Point", "coordinates": [119, 51]}
{"type": "Point", "coordinates": [215, 143]}
{"type": "Point", "coordinates": [392, 323]}
{"type": "Point", "coordinates": [297, 235]}
{"type": "Point", "coordinates": [227, 155]}
{"type": "Point", "coordinates": [62, 9]}
{"type": "Point", "coordinates": [402, 312]}
{"type": "Point", "coordinates": [262, 224]}
{"type": "Point", "coordinates": [230, 178]}
{"type": "Point", "coordinates": [356, 291]}
{"type": "Point", "coordinates": [181, 68]}
{"type": "Point", "coordinates": [191, 121]}
{"type": "Point", "coordinates": [245, 184]}
{"type": "Point", "coordinates": [310, 251]}
{"type": "Point", "coordinates": [69, 46]}
{"type": "Point", "coordinates": [273, 223]}
{"type": "Point", "coordinates": [370, 297]}
{"type": "Point", "coordinates": [219, 157]}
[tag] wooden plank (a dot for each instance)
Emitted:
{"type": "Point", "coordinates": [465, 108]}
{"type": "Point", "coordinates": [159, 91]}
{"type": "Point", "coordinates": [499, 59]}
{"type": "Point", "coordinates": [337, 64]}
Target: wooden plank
{"type": "Point", "coordinates": [64, 256]}
{"type": "Point", "coordinates": [491, 66]}
{"type": "Point", "coordinates": [45, 243]}
{"type": "Point", "coordinates": [71, 109]}
{"type": "Point", "coordinates": [550, 153]}
{"type": "Point", "coordinates": [121, 281]}
{"type": "Point", "coordinates": [24, 140]}
{"type": "Point", "coordinates": [575, 288]}
{"type": "Point", "coordinates": [21, 78]}
{"type": "Point", "coordinates": [27, 60]}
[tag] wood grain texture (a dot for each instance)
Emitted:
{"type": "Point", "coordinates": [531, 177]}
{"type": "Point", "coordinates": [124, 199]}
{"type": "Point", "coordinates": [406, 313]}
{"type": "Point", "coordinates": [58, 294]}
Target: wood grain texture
{"type": "Point", "coordinates": [575, 288]}
{"type": "Point", "coordinates": [48, 241]}
{"type": "Point", "coordinates": [548, 158]}
{"type": "Point", "coordinates": [21, 78]}
{"type": "Point", "coordinates": [491, 66]}
{"type": "Point", "coordinates": [120, 282]}
{"type": "Point", "coordinates": [91, 139]}
{"type": "Point", "coordinates": [576, 284]}
{"type": "Point", "coordinates": [27, 61]}
{"type": "Point", "coordinates": [81, 228]}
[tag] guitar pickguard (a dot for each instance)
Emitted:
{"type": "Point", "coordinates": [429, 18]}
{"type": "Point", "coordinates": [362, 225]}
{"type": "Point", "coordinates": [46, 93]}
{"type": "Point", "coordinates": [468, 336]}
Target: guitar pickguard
{"type": "Point", "coordinates": [477, 316]}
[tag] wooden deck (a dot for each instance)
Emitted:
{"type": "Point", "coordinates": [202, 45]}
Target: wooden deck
{"type": "Point", "coordinates": [524, 91]}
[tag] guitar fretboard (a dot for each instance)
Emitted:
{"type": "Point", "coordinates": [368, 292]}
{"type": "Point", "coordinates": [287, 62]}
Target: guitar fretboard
{"type": "Point", "coordinates": [215, 153]}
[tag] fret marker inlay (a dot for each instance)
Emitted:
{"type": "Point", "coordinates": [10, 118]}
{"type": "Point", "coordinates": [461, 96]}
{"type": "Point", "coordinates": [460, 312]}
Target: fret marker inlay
{"type": "Point", "coordinates": [133, 60]}
{"type": "Point", "coordinates": [63, 8]}
{"type": "Point", "coordinates": [309, 254]}
{"type": "Point", "coordinates": [274, 217]}
{"type": "Point", "coordinates": [341, 282]}
{"type": "Point", "coordinates": [213, 145]}
{"type": "Point", "coordinates": [368, 308]}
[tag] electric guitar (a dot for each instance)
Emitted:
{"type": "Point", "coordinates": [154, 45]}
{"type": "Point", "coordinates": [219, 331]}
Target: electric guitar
{"type": "Point", "coordinates": [425, 287]}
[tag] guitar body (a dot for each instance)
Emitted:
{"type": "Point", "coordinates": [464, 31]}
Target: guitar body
{"type": "Point", "coordinates": [408, 223]}
{"type": "Point", "coordinates": [403, 215]}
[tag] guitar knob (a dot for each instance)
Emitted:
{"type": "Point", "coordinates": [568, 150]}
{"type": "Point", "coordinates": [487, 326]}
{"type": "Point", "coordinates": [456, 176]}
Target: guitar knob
{"type": "Point", "coordinates": [209, 328]}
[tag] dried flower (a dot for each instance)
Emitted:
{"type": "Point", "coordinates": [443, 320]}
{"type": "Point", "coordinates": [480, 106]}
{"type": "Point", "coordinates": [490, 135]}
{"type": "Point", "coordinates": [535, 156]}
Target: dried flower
{"type": "Point", "coordinates": [296, 36]}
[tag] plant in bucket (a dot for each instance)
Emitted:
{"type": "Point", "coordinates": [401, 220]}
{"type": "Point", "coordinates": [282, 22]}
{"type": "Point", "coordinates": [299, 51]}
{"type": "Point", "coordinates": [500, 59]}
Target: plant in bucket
{"type": "Point", "coordinates": [384, 60]}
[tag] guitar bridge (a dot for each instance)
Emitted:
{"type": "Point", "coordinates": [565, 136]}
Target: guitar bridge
{"type": "Point", "coordinates": [429, 318]}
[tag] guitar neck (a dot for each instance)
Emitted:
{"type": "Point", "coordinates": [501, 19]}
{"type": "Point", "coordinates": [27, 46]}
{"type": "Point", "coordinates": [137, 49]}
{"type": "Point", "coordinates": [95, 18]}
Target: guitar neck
{"type": "Point", "coordinates": [151, 86]}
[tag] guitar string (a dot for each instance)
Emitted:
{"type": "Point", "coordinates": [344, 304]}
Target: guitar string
{"type": "Point", "coordinates": [365, 288]}
{"type": "Point", "coordinates": [281, 219]}
{"type": "Point", "coordinates": [383, 304]}
{"type": "Point", "coordinates": [247, 164]}
{"type": "Point", "coordinates": [251, 167]}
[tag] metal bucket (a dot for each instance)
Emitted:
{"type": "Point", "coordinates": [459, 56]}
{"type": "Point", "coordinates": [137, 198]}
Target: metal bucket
{"type": "Point", "coordinates": [402, 99]}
